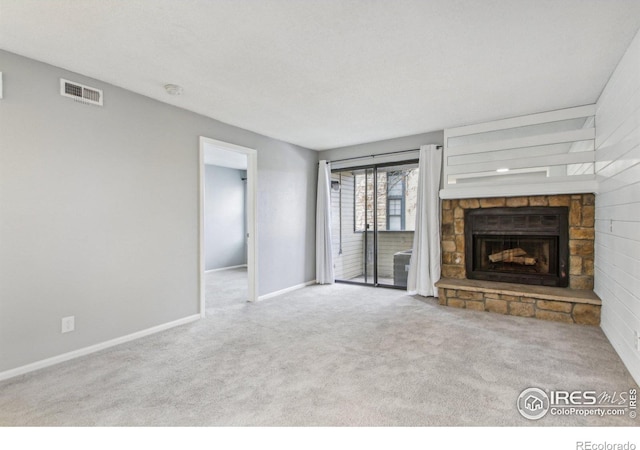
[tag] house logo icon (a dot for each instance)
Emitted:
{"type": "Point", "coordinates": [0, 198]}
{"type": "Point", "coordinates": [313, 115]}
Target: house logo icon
{"type": "Point", "coordinates": [533, 403]}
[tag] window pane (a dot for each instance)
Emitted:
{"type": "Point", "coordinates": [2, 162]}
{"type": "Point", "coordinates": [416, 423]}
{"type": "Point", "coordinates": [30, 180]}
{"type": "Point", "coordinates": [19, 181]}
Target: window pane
{"type": "Point", "coordinates": [395, 207]}
{"type": "Point", "coordinates": [394, 184]}
{"type": "Point", "coordinates": [363, 200]}
{"type": "Point", "coordinates": [395, 223]}
{"type": "Point", "coordinates": [411, 199]}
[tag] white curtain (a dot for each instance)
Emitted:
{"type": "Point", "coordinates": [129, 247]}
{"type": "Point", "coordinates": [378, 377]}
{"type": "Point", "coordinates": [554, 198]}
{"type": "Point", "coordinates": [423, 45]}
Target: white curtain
{"type": "Point", "coordinates": [424, 269]}
{"type": "Point", "coordinates": [324, 255]}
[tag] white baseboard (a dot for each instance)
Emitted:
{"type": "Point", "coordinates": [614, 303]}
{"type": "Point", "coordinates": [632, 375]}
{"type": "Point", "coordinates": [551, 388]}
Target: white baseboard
{"type": "Point", "coordinates": [225, 268]}
{"type": "Point", "coordinates": [285, 290]}
{"type": "Point", "coordinates": [94, 348]}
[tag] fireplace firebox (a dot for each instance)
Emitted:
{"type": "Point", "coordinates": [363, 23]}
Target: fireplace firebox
{"type": "Point", "coordinates": [518, 245]}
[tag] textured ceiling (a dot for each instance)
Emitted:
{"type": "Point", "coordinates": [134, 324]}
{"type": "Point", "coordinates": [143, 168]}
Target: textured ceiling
{"type": "Point", "coordinates": [324, 74]}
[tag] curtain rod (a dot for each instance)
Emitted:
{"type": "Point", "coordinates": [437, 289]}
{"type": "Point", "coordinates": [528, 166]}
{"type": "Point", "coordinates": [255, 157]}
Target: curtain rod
{"type": "Point", "coordinates": [379, 154]}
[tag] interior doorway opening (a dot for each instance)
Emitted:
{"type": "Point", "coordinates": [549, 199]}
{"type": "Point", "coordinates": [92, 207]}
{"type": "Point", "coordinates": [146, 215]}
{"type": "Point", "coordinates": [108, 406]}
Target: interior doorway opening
{"type": "Point", "coordinates": [228, 244]}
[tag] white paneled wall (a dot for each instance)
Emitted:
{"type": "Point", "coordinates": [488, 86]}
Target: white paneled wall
{"type": "Point", "coordinates": [617, 262]}
{"type": "Point", "coordinates": [546, 153]}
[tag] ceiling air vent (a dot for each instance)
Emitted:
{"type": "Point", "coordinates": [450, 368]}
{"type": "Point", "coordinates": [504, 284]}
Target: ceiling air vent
{"type": "Point", "coordinates": [80, 92]}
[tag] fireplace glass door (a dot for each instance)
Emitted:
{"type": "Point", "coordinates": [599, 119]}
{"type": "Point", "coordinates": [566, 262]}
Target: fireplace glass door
{"type": "Point", "coordinates": [517, 245]}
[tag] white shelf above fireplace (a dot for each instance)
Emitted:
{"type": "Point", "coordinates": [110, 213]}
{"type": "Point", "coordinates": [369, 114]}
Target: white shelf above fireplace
{"type": "Point", "coordinates": [540, 154]}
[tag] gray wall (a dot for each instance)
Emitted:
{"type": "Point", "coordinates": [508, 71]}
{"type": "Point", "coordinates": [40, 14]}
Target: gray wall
{"type": "Point", "coordinates": [389, 145]}
{"type": "Point", "coordinates": [99, 212]}
{"type": "Point", "coordinates": [287, 183]}
{"type": "Point", "coordinates": [225, 217]}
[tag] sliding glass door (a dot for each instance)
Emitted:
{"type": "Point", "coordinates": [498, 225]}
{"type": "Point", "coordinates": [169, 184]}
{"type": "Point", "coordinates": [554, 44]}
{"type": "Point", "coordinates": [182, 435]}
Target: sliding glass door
{"type": "Point", "coordinates": [373, 213]}
{"type": "Point", "coordinates": [397, 195]}
{"type": "Point", "coordinates": [352, 207]}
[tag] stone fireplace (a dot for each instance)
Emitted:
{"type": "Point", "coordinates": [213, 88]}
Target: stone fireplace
{"type": "Point", "coordinates": [526, 250]}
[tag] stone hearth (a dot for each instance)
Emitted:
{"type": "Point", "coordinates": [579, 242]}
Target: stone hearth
{"type": "Point", "coordinates": [542, 302]}
{"type": "Point", "coordinates": [569, 304]}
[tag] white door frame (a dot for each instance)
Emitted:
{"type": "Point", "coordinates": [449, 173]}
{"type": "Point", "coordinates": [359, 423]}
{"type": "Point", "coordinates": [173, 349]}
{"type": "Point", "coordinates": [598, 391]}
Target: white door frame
{"type": "Point", "coordinates": [252, 228]}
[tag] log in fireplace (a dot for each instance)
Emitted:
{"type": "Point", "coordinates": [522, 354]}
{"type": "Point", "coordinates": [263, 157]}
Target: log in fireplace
{"type": "Point", "coordinates": [518, 245]}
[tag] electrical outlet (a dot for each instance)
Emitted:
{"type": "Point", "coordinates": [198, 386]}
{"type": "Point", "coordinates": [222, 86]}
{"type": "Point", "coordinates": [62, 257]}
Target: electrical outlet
{"type": "Point", "coordinates": [68, 324]}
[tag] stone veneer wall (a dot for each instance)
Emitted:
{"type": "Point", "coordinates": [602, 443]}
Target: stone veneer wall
{"type": "Point", "coordinates": [581, 232]}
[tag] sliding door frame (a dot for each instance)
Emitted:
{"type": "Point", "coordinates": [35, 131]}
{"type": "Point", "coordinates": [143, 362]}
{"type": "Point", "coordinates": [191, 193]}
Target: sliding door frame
{"type": "Point", "coordinates": [375, 168]}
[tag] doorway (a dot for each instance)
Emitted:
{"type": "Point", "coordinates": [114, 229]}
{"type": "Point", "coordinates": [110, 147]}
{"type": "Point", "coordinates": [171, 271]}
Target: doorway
{"type": "Point", "coordinates": [373, 222]}
{"type": "Point", "coordinates": [236, 167]}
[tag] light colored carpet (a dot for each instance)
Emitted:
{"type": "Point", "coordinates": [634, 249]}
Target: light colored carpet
{"type": "Point", "coordinates": [325, 355]}
{"type": "Point", "coordinates": [226, 289]}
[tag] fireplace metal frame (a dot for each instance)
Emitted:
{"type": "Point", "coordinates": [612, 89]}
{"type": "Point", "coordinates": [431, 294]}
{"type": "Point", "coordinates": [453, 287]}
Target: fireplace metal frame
{"type": "Point", "coordinates": [555, 224]}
